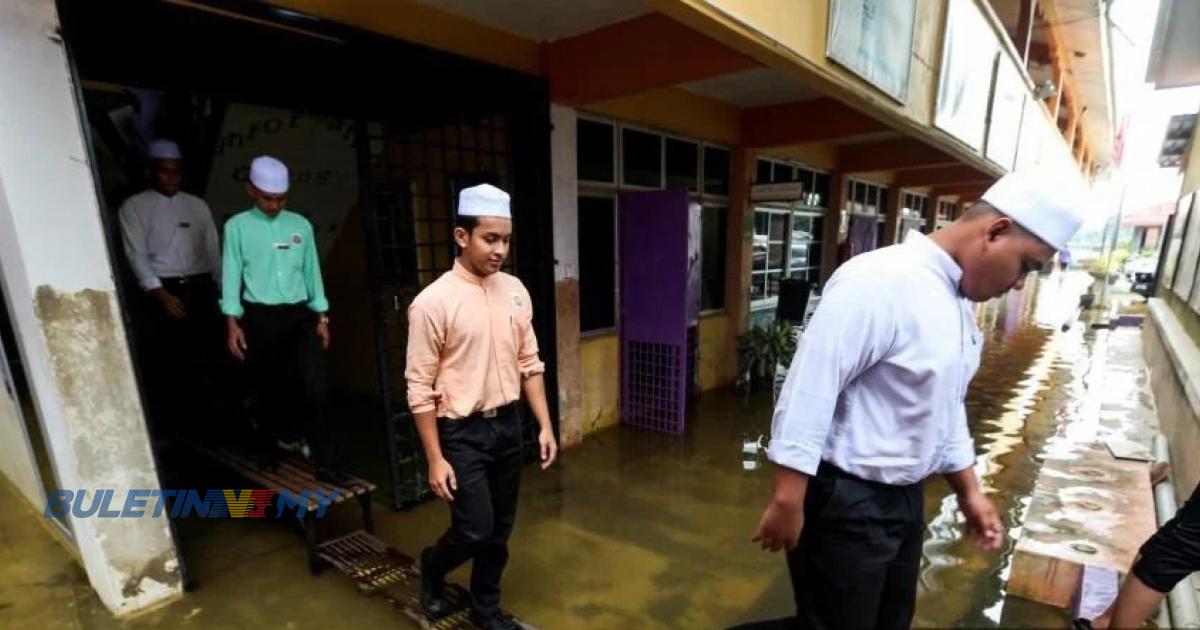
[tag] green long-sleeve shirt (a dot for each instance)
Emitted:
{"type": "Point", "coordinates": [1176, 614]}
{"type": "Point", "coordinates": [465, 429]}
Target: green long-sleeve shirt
{"type": "Point", "coordinates": [270, 261]}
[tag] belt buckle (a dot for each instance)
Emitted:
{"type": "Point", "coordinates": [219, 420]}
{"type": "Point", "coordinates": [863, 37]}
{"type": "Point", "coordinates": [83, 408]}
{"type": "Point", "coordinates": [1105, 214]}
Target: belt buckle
{"type": "Point", "coordinates": [490, 413]}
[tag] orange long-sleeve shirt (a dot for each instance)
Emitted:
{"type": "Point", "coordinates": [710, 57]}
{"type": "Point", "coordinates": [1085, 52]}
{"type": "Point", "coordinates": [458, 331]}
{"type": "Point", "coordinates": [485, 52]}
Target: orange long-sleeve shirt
{"type": "Point", "coordinates": [470, 343]}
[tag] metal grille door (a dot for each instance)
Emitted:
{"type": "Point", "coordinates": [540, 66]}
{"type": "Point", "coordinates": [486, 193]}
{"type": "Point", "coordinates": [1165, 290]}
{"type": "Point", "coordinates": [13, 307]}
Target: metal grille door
{"type": "Point", "coordinates": [654, 293]}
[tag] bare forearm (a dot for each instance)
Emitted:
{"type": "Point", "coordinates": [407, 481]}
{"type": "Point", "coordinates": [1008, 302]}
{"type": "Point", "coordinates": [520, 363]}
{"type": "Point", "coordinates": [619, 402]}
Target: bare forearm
{"type": "Point", "coordinates": [535, 394]}
{"type": "Point", "coordinates": [791, 486]}
{"type": "Point", "coordinates": [963, 481]}
{"type": "Point", "coordinates": [426, 422]}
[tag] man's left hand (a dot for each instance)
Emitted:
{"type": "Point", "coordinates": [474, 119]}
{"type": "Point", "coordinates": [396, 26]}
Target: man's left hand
{"type": "Point", "coordinates": [984, 526]}
{"type": "Point", "coordinates": [549, 447]}
{"type": "Point", "coordinates": [323, 333]}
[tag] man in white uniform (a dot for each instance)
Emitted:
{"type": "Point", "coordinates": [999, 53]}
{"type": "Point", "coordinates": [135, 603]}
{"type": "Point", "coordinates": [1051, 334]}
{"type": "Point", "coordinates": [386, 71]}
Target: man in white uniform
{"type": "Point", "coordinates": [172, 246]}
{"type": "Point", "coordinates": [873, 404]}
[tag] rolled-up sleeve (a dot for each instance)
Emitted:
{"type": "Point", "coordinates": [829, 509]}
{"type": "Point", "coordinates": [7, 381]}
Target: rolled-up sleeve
{"type": "Point", "coordinates": [849, 332]}
{"type": "Point", "coordinates": [426, 338]}
{"type": "Point", "coordinates": [960, 449]}
{"type": "Point", "coordinates": [527, 355]}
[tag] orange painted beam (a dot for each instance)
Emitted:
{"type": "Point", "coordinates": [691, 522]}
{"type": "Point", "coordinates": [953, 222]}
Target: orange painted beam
{"type": "Point", "coordinates": [941, 176]}
{"type": "Point", "coordinates": [644, 53]}
{"type": "Point", "coordinates": [817, 120]}
{"type": "Point", "coordinates": [890, 155]}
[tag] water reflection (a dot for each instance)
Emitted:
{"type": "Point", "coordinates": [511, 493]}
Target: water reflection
{"type": "Point", "coordinates": [1031, 379]}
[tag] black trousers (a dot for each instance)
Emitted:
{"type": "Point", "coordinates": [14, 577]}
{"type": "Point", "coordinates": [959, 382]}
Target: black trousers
{"type": "Point", "coordinates": [181, 357]}
{"type": "Point", "coordinates": [286, 376]}
{"type": "Point", "coordinates": [859, 555]}
{"type": "Point", "coordinates": [1173, 552]}
{"type": "Point", "coordinates": [485, 454]}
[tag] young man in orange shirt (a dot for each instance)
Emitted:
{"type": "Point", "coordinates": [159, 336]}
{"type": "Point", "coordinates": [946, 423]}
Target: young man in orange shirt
{"type": "Point", "coordinates": [471, 354]}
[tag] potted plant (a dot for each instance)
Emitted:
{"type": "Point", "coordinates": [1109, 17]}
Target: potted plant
{"type": "Point", "coordinates": [762, 348]}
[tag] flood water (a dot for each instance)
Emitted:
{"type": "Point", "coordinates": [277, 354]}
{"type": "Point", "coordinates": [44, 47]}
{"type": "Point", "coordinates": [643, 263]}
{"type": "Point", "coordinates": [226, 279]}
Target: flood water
{"type": "Point", "coordinates": [642, 530]}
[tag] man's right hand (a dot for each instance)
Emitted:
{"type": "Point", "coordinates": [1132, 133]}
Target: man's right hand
{"type": "Point", "coordinates": [235, 340]}
{"type": "Point", "coordinates": [171, 304]}
{"type": "Point", "coordinates": [441, 479]}
{"type": "Point", "coordinates": [780, 526]}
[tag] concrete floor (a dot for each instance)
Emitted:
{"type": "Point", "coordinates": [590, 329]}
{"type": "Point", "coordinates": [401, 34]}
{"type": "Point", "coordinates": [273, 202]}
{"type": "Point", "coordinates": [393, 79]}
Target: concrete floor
{"type": "Point", "coordinates": [631, 530]}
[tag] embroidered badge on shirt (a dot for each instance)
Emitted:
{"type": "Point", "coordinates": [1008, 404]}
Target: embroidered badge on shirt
{"type": "Point", "coordinates": [516, 300]}
{"type": "Point", "coordinates": [296, 238]}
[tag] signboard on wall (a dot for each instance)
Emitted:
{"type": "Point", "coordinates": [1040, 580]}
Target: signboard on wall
{"type": "Point", "coordinates": [968, 55]}
{"type": "Point", "coordinates": [1185, 274]}
{"type": "Point", "coordinates": [1008, 105]}
{"type": "Point", "coordinates": [318, 150]}
{"type": "Point", "coordinates": [873, 39]}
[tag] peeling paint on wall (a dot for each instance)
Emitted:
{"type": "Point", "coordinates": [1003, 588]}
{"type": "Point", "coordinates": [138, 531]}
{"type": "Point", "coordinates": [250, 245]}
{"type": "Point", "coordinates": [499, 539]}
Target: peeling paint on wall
{"type": "Point", "coordinates": [102, 413]}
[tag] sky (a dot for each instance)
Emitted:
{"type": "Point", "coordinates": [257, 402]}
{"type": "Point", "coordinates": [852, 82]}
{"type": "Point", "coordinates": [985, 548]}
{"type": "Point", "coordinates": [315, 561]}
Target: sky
{"type": "Point", "coordinates": [1147, 111]}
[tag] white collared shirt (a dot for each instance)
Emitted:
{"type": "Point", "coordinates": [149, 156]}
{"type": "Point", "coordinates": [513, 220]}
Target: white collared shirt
{"type": "Point", "coordinates": [878, 381]}
{"type": "Point", "coordinates": [168, 237]}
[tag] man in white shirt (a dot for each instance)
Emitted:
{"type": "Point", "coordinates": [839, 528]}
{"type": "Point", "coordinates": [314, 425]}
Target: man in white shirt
{"type": "Point", "coordinates": [873, 404]}
{"type": "Point", "coordinates": [172, 246]}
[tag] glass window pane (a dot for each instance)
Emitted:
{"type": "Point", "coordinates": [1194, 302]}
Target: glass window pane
{"type": "Point", "coordinates": [758, 286]}
{"type": "Point", "coordinates": [773, 279]}
{"type": "Point", "coordinates": [762, 173]}
{"type": "Point", "coordinates": [759, 252]}
{"type": "Point", "coordinates": [823, 190]}
{"type": "Point", "coordinates": [818, 228]}
{"type": "Point", "coordinates": [778, 227]}
{"type": "Point", "coordinates": [761, 221]}
{"type": "Point", "coordinates": [713, 234]}
{"type": "Point", "coordinates": [775, 256]}
{"type": "Point", "coordinates": [683, 165]}
{"type": "Point", "coordinates": [641, 154]}
{"type": "Point", "coordinates": [594, 151]}
{"type": "Point", "coordinates": [814, 254]}
{"type": "Point", "coordinates": [597, 263]}
{"type": "Point", "coordinates": [716, 171]}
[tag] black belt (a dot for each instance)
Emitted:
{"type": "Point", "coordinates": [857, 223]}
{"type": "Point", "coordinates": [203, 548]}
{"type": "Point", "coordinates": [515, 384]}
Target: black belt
{"type": "Point", "coordinates": [498, 412]}
{"type": "Point", "coordinates": [182, 280]}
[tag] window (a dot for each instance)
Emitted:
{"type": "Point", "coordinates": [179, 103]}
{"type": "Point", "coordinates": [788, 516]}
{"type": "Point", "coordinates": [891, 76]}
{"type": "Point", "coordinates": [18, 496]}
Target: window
{"type": "Point", "coordinates": [683, 165]}
{"type": "Point", "coordinates": [597, 263]}
{"type": "Point", "coordinates": [763, 172]}
{"type": "Point", "coordinates": [768, 252]}
{"type": "Point", "coordinates": [713, 232]}
{"type": "Point", "coordinates": [642, 158]}
{"type": "Point", "coordinates": [716, 171]}
{"type": "Point", "coordinates": [866, 198]}
{"type": "Point", "coordinates": [595, 150]}
{"type": "Point", "coordinates": [805, 246]}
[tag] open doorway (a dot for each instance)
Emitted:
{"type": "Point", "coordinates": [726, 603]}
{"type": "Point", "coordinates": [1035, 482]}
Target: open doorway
{"type": "Point", "coordinates": [379, 136]}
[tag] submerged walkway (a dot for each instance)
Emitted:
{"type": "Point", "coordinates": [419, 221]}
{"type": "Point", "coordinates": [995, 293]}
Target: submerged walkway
{"type": "Point", "coordinates": [633, 530]}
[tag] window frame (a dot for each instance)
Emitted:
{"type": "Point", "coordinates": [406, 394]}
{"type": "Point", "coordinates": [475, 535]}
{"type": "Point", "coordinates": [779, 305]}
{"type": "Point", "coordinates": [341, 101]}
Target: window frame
{"type": "Point", "coordinates": [616, 315]}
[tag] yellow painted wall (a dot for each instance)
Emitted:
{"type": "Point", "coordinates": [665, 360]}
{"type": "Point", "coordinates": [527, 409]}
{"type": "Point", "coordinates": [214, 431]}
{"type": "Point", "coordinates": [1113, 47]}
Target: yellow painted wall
{"type": "Point", "coordinates": [599, 360]}
{"type": "Point", "coordinates": [714, 352]}
{"type": "Point", "coordinates": [801, 27]}
{"type": "Point", "coordinates": [423, 24]}
{"type": "Point", "coordinates": [675, 110]}
{"type": "Point", "coordinates": [600, 363]}
{"type": "Point", "coordinates": [822, 155]}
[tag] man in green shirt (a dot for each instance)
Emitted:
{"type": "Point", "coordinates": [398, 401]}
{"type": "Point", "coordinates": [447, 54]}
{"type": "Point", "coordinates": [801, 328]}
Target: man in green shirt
{"type": "Point", "coordinates": [275, 307]}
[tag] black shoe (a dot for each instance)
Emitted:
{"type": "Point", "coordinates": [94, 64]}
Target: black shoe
{"type": "Point", "coordinates": [432, 588]}
{"type": "Point", "coordinates": [495, 621]}
{"type": "Point", "coordinates": [1081, 624]}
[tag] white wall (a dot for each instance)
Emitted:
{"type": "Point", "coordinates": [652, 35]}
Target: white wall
{"type": "Point", "coordinates": [65, 311]}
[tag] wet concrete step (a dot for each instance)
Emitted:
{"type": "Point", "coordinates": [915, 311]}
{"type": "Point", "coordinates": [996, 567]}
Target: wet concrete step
{"type": "Point", "coordinates": [1089, 507]}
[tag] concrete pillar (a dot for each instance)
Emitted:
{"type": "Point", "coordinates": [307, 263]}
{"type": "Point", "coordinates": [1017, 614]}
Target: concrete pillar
{"type": "Point", "coordinates": [56, 271]}
{"type": "Point", "coordinates": [833, 224]}
{"type": "Point", "coordinates": [565, 183]}
{"type": "Point", "coordinates": [738, 245]}
{"type": "Point", "coordinates": [891, 220]}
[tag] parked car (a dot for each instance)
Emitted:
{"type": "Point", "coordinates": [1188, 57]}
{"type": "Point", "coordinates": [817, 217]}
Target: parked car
{"type": "Point", "coordinates": [1140, 271]}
